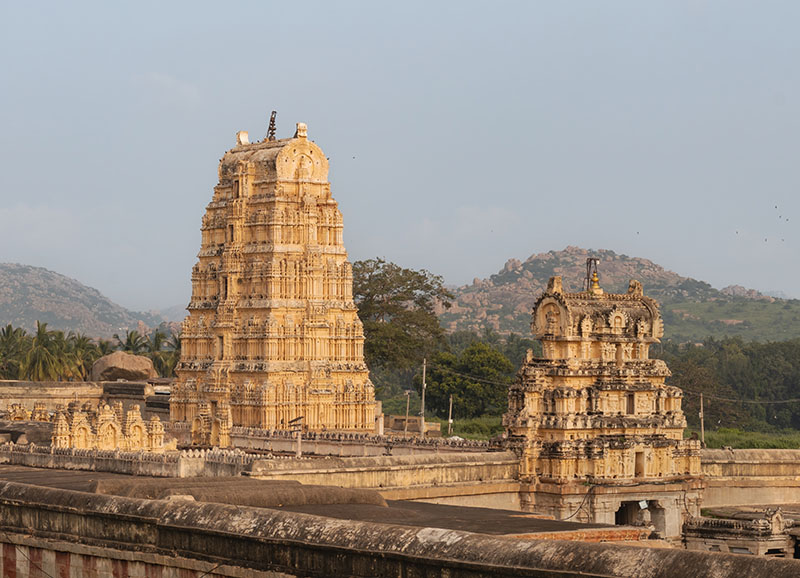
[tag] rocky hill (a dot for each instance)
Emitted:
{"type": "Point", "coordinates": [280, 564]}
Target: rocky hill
{"type": "Point", "coordinates": [692, 309]}
{"type": "Point", "coordinates": [29, 294]}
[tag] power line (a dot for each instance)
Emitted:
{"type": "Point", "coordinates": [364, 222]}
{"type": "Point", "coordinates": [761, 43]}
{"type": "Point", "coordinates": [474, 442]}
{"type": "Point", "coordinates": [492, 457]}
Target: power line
{"type": "Point", "coordinates": [472, 377]}
{"type": "Point", "coordinates": [752, 401]}
{"type": "Point", "coordinates": [685, 391]}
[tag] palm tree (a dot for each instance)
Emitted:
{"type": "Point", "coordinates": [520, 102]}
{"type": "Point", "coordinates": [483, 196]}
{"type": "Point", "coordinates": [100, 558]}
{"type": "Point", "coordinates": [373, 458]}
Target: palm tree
{"type": "Point", "coordinates": [154, 347]}
{"type": "Point", "coordinates": [84, 352]}
{"type": "Point", "coordinates": [173, 354]}
{"type": "Point", "coordinates": [45, 359]}
{"type": "Point", "coordinates": [104, 347]}
{"type": "Point", "coordinates": [13, 344]}
{"type": "Point", "coordinates": [135, 342]}
{"type": "Point", "coordinates": [70, 365]}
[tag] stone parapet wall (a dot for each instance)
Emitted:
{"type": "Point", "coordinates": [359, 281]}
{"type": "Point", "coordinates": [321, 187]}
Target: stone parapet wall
{"type": "Point", "coordinates": [289, 544]}
{"type": "Point", "coordinates": [51, 393]}
{"type": "Point", "coordinates": [342, 444]}
{"type": "Point", "coordinates": [27, 557]}
{"type": "Point", "coordinates": [190, 463]}
{"type": "Point", "coordinates": [395, 472]}
{"type": "Point", "coordinates": [750, 477]}
{"type": "Point", "coordinates": [61, 393]}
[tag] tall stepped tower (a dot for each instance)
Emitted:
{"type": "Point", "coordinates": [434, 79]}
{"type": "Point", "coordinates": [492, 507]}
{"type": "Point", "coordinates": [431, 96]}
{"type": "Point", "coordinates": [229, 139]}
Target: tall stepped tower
{"type": "Point", "coordinates": [272, 332]}
{"type": "Point", "coordinates": [599, 433]}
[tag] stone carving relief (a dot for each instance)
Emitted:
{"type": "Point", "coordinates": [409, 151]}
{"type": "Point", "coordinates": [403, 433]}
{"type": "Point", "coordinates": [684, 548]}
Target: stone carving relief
{"type": "Point", "coordinates": [300, 284]}
{"type": "Point", "coordinates": [102, 429]}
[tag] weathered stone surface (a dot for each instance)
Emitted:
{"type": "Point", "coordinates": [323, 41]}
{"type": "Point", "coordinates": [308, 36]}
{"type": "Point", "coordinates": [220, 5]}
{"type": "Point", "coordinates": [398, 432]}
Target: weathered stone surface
{"type": "Point", "coordinates": [240, 491]}
{"type": "Point", "coordinates": [122, 365]}
{"type": "Point", "coordinates": [51, 393]}
{"type": "Point", "coordinates": [595, 410]}
{"type": "Point", "coordinates": [105, 429]}
{"type": "Point", "coordinates": [272, 333]}
{"type": "Point", "coordinates": [308, 545]}
{"type": "Point", "coordinates": [29, 431]}
{"type": "Point", "coordinates": [751, 477]}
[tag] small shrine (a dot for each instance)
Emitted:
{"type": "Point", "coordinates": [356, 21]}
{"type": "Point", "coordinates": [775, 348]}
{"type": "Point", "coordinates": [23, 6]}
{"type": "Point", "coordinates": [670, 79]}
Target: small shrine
{"type": "Point", "coordinates": [106, 428]}
{"type": "Point", "coordinates": [599, 433]}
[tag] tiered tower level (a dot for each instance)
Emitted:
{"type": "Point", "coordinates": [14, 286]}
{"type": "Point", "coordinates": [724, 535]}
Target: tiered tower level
{"type": "Point", "coordinates": [594, 416]}
{"type": "Point", "coordinates": [273, 332]}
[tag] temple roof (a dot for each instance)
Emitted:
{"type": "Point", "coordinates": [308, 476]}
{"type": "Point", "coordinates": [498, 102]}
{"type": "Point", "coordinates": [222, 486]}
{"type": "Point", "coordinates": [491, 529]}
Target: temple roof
{"type": "Point", "coordinates": [295, 158]}
{"type": "Point", "coordinates": [594, 312]}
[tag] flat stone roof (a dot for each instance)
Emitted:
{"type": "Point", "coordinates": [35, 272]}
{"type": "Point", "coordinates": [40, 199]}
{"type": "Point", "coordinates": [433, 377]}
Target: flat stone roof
{"type": "Point", "coordinates": [427, 515]}
{"type": "Point", "coordinates": [753, 512]}
{"type": "Point", "coordinates": [242, 491]}
{"type": "Point", "coordinates": [77, 480]}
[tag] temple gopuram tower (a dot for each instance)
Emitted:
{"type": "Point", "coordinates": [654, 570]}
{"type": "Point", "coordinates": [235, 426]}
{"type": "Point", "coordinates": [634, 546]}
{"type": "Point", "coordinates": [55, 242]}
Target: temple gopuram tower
{"type": "Point", "coordinates": [599, 433]}
{"type": "Point", "coordinates": [272, 332]}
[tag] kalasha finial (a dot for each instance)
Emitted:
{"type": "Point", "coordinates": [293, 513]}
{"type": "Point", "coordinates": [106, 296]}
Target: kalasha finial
{"type": "Point", "coordinates": [271, 129]}
{"type": "Point", "coordinates": [595, 281]}
{"type": "Point", "coordinates": [592, 280]}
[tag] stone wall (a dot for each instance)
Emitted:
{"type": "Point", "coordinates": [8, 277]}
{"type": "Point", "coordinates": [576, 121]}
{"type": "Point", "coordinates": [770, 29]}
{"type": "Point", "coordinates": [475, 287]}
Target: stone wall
{"type": "Point", "coordinates": [27, 557]}
{"type": "Point", "coordinates": [340, 444]}
{"type": "Point", "coordinates": [475, 479]}
{"type": "Point", "coordinates": [189, 463]}
{"type": "Point", "coordinates": [227, 540]}
{"type": "Point", "coordinates": [750, 477]}
{"type": "Point", "coordinates": [51, 393]}
{"type": "Point", "coordinates": [61, 393]}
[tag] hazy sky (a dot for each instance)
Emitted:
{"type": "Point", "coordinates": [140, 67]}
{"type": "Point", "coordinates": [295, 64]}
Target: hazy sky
{"type": "Point", "coordinates": [460, 134]}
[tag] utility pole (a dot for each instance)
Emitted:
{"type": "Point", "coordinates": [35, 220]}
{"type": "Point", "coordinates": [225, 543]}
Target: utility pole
{"type": "Point", "coordinates": [422, 409]}
{"type": "Point", "coordinates": [702, 424]}
{"type": "Point", "coordinates": [405, 423]}
{"type": "Point", "coordinates": [450, 417]}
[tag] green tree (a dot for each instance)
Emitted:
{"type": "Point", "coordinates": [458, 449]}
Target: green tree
{"type": "Point", "coordinates": [134, 342]}
{"type": "Point", "coordinates": [105, 347]}
{"type": "Point", "coordinates": [478, 380]}
{"type": "Point", "coordinates": [172, 355]}
{"type": "Point", "coordinates": [46, 358]}
{"type": "Point", "coordinates": [513, 345]}
{"type": "Point", "coordinates": [154, 349]}
{"type": "Point", "coordinates": [398, 309]}
{"type": "Point", "coordinates": [84, 352]}
{"type": "Point", "coordinates": [14, 343]}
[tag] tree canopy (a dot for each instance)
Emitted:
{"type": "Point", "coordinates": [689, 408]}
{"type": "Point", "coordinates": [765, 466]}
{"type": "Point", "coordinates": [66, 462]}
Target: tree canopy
{"type": "Point", "coordinates": [398, 309]}
{"type": "Point", "coordinates": [758, 374]}
{"type": "Point", "coordinates": [49, 355]}
{"type": "Point", "coordinates": [477, 378]}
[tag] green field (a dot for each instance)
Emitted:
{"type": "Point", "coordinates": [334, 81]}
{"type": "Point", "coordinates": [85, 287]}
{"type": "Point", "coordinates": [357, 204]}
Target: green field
{"type": "Point", "coordinates": [739, 439]}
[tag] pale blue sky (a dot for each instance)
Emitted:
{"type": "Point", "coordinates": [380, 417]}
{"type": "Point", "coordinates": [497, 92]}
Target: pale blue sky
{"type": "Point", "coordinates": [460, 134]}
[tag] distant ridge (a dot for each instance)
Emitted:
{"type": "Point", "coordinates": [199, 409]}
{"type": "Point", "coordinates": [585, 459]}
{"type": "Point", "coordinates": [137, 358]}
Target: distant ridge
{"type": "Point", "coordinates": [692, 309]}
{"type": "Point", "coordinates": [29, 294]}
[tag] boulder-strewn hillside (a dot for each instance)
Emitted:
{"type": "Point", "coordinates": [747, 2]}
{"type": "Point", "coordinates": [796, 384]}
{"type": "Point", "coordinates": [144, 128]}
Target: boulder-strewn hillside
{"type": "Point", "coordinates": [29, 294]}
{"type": "Point", "coordinates": [692, 309]}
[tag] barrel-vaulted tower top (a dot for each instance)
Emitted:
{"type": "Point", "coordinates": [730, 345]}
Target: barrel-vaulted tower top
{"type": "Point", "coordinates": [595, 315]}
{"type": "Point", "coordinates": [295, 159]}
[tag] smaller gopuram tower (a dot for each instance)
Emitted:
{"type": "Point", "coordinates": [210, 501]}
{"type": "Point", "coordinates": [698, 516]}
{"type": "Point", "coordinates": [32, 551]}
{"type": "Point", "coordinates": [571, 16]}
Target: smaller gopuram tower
{"type": "Point", "coordinates": [272, 339]}
{"type": "Point", "coordinates": [599, 434]}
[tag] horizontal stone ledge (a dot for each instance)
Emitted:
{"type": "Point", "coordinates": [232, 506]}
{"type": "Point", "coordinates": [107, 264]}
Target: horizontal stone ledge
{"type": "Point", "coordinates": [307, 545]}
{"type": "Point", "coordinates": [452, 489]}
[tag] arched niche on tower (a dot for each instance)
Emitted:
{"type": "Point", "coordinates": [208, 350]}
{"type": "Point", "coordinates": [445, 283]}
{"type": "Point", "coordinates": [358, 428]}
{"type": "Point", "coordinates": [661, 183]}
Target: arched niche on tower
{"type": "Point", "coordinates": [301, 160]}
{"type": "Point", "coordinates": [551, 317]}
